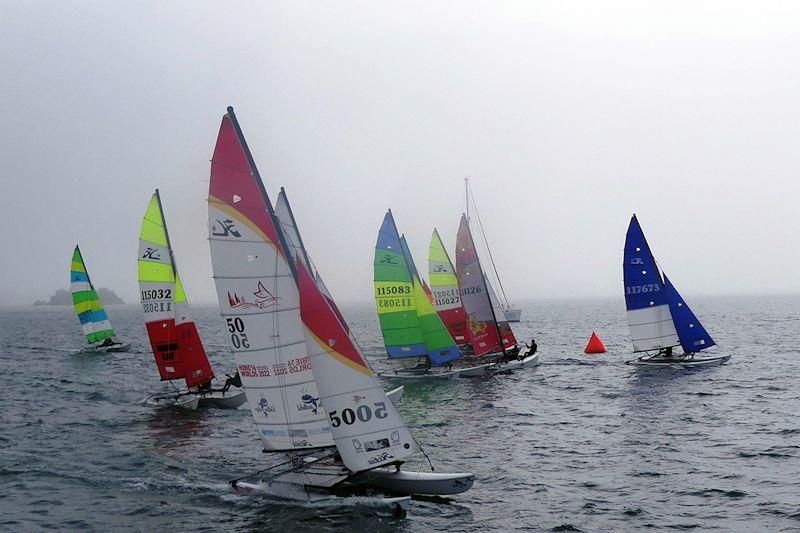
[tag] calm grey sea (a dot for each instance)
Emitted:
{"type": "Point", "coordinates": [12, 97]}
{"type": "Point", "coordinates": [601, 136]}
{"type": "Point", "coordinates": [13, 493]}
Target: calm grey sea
{"type": "Point", "coordinates": [577, 444]}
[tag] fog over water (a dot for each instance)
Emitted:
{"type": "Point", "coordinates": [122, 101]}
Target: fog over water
{"type": "Point", "coordinates": [568, 116]}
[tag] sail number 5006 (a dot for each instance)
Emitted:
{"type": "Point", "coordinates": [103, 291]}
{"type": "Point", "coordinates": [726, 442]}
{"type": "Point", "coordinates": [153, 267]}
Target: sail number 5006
{"type": "Point", "coordinates": [362, 412]}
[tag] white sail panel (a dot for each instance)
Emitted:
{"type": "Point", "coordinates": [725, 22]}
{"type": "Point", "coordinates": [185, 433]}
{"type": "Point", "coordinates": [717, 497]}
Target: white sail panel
{"type": "Point", "coordinates": [652, 328]}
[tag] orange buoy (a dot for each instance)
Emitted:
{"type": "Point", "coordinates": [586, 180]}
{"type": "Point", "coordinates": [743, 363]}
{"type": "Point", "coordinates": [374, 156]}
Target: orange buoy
{"type": "Point", "coordinates": [595, 345]}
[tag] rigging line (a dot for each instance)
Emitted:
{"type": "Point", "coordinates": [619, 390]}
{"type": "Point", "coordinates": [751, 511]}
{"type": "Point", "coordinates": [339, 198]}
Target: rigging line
{"type": "Point", "coordinates": [486, 243]}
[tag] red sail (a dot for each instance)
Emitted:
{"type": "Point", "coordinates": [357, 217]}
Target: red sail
{"type": "Point", "coordinates": [179, 352]}
{"type": "Point", "coordinates": [482, 327]}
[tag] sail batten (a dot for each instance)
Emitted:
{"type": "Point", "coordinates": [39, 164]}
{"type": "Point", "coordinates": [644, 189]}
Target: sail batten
{"type": "Point", "coordinates": [649, 318]}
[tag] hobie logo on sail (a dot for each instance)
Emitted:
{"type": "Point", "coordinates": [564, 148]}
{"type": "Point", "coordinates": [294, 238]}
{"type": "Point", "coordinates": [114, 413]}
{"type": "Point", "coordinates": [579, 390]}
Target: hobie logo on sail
{"type": "Point", "coordinates": [228, 228]}
{"type": "Point", "coordinates": [388, 260]}
{"type": "Point", "coordinates": [263, 300]}
{"type": "Point", "coordinates": [151, 253]}
{"type": "Point", "coordinates": [637, 261]}
{"type": "Point", "coordinates": [440, 268]}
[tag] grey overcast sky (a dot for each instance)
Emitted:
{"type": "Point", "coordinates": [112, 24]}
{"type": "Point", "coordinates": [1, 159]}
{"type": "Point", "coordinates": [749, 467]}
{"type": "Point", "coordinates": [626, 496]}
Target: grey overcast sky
{"type": "Point", "coordinates": [568, 116]}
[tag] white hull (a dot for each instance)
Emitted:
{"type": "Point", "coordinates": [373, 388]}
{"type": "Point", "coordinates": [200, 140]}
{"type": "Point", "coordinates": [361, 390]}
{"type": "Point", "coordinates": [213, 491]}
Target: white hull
{"type": "Point", "coordinates": [437, 373]}
{"type": "Point", "coordinates": [513, 315]}
{"type": "Point", "coordinates": [516, 364]}
{"type": "Point", "coordinates": [662, 362]}
{"type": "Point", "coordinates": [415, 483]}
{"type": "Point", "coordinates": [231, 399]}
{"type": "Point", "coordinates": [269, 489]}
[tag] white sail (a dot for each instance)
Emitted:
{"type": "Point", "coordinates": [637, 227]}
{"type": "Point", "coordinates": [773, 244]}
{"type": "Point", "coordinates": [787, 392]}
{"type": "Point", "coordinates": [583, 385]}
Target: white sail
{"type": "Point", "coordinates": [366, 428]}
{"type": "Point", "coordinates": [258, 298]}
{"type": "Point", "coordinates": [652, 328]}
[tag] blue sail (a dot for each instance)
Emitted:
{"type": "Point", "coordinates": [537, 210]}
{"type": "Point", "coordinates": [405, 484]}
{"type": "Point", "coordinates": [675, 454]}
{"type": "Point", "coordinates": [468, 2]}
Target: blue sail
{"type": "Point", "coordinates": [643, 284]}
{"type": "Point", "coordinates": [645, 298]}
{"type": "Point", "coordinates": [691, 332]}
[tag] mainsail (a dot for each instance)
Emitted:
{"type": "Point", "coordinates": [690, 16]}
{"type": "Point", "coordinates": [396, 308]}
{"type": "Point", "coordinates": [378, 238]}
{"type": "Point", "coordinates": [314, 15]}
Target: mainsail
{"type": "Point", "coordinates": [394, 295]}
{"type": "Point", "coordinates": [645, 298]}
{"type": "Point", "coordinates": [692, 334]}
{"type": "Point", "coordinates": [440, 345]}
{"type": "Point", "coordinates": [365, 426]}
{"type": "Point", "coordinates": [484, 333]}
{"type": "Point", "coordinates": [92, 316]}
{"type": "Point", "coordinates": [176, 344]}
{"type": "Point", "coordinates": [444, 284]}
{"type": "Point", "coordinates": [259, 300]}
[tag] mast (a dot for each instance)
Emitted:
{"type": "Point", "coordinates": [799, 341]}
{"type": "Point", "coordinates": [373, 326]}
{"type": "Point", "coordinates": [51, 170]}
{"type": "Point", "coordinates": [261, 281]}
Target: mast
{"type": "Point", "coordinates": [486, 243]}
{"type": "Point", "coordinates": [166, 234]}
{"type": "Point", "coordinates": [486, 288]}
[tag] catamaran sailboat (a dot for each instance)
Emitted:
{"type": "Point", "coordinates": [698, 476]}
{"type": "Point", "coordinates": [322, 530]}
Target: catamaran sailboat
{"type": "Point", "coordinates": [489, 332]}
{"type": "Point", "coordinates": [93, 318]}
{"type": "Point", "coordinates": [659, 318]}
{"type": "Point", "coordinates": [176, 344]}
{"type": "Point", "coordinates": [411, 327]}
{"type": "Point", "coordinates": [315, 400]}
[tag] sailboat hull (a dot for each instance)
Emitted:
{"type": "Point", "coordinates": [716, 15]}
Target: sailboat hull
{"type": "Point", "coordinates": [116, 347]}
{"type": "Point", "coordinates": [686, 362]}
{"type": "Point", "coordinates": [273, 490]}
{"type": "Point", "coordinates": [231, 399]}
{"type": "Point", "coordinates": [415, 483]}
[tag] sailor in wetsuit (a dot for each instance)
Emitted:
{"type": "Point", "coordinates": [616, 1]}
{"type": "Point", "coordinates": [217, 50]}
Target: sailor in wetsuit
{"type": "Point", "coordinates": [532, 347]}
{"type": "Point", "coordinates": [108, 342]}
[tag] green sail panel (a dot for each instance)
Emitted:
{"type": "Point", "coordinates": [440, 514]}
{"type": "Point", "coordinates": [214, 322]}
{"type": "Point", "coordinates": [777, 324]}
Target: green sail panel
{"type": "Point", "coordinates": [440, 345]}
{"type": "Point", "coordinates": [93, 318]}
{"type": "Point", "coordinates": [395, 296]}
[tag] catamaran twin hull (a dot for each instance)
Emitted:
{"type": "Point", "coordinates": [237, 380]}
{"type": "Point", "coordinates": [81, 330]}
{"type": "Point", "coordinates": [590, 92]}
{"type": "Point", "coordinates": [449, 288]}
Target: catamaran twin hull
{"type": "Point", "coordinates": [116, 347]}
{"type": "Point", "coordinates": [440, 373]}
{"type": "Point", "coordinates": [230, 399]}
{"type": "Point", "coordinates": [679, 362]}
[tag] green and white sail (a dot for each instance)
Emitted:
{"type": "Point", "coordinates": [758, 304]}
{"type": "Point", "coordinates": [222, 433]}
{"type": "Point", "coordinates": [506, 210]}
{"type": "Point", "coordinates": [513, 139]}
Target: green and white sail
{"type": "Point", "coordinates": [92, 316]}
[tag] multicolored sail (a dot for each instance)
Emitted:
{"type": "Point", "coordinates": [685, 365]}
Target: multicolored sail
{"type": "Point", "coordinates": [444, 284]}
{"type": "Point", "coordinates": [645, 298]}
{"type": "Point", "coordinates": [92, 316]}
{"type": "Point", "coordinates": [440, 345]}
{"type": "Point", "coordinates": [259, 300]}
{"type": "Point", "coordinates": [484, 333]}
{"type": "Point", "coordinates": [176, 344]}
{"type": "Point", "coordinates": [395, 297]}
{"type": "Point", "coordinates": [692, 334]}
